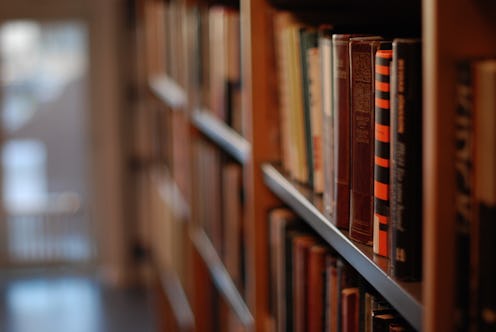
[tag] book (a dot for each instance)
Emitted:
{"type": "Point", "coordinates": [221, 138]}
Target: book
{"type": "Point", "coordinates": [341, 127]}
{"type": "Point", "coordinates": [325, 51]}
{"type": "Point", "coordinates": [331, 294]}
{"type": "Point", "coordinates": [406, 161]}
{"type": "Point", "coordinates": [282, 21]}
{"type": "Point", "coordinates": [308, 42]}
{"type": "Point", "coordinates": [282, 221]}
{"type": "Point", "coordinates": [350, 306]}
{"type": "Point", "coordinates": [382, 150]}
{"type": "Point", "coordinates": [484, 101]}
{"type": "Point", "coordinates": [302, 245]}
{"type": "Point", "coordinates": [362, 69]}
{"type": "Point", "coordinates": [464, 155]}
{"type": "Point", "coordinates": [316, 116]}
{"type": "Point", "coordinates": [315, 291]}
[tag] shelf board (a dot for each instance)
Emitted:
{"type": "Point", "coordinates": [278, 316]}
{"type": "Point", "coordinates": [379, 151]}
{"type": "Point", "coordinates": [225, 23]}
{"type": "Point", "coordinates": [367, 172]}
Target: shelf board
{"type": "Point", "coordinates": [177, 299]}
{"type": "Point", "coordinates": [223, 135]}
{"type": "Point", "coordinates": [170, 193]}
{"type": "Point", "coordinates": [405, 297]}
{"type": "Point", "coordinates": [168, 91]}
{"type": "Point", "coordinates": [221, 277]}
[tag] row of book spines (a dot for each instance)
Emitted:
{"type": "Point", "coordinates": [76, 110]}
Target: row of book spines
{"type": "Point", "coordinates": [220, 64]}
{"type": "Point", "coordinates": [352, 168]}
{"type": "Point", "coordinates": [220, 207]}
{"type": "Point", "coordinates": [475, 162]}
{"type": "Point", "coordinates": [313, 289]}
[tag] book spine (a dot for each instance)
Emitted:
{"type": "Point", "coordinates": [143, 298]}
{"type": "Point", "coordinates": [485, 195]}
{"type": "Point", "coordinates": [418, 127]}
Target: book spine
{"type": "Point", "coordinates": [282, 221]}
{"type": "Point", "coordinates": [296, 104]}
{"type": "Point", "coordinates": [301, 249]}
{"type": "Point", "coordinates": [382, 150]}
{"type": "Point", "coordinates": [341, 127]}
{"type": "Point", "coordinates": [406, 161]}
{"type": "Point", "coordinates": [485, 190]}
{"type": "Point", "coordinates": [316, 273]}
{"type": "Point", "coordinates": [464, 191]}
{"type": "Point", "coordinates": [308, 41]}
{"type": "Point", "coordinates": [325, 48]}
{"type": "Point", "coordinates": [362, 58]}
{"type": "Point", "coordinates": [332, 291]}
{"type": "Point", "coordinates": [316, 120]}
{"type": "Point", "coordinates": [350, 303]}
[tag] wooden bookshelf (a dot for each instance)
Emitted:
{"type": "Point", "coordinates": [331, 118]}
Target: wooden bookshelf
{"type": "Point", "coordinates": [450, 31]}
{"type": "Point", "coordinates": [221, 277]}
{"type": "Point", "coordinates": [405, 297]}
{"type": "Point", "coordinates": [219, 132]}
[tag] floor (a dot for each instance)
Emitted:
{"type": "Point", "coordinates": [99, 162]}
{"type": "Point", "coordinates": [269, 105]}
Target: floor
{"type": "Point", "coordinates": [39, 303]}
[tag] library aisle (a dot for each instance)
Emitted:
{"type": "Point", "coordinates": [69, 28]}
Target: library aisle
{"type": "Point", "coordinates": [77, 303]}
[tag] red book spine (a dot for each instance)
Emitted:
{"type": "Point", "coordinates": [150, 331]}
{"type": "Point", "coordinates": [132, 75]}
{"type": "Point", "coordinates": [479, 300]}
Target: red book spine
{"type": "Point", "coordinates": [382, 151]}
{"type": "Point", "coordinates": [350, 309]}
{"type": "Point", "coordinates": [362, 58]}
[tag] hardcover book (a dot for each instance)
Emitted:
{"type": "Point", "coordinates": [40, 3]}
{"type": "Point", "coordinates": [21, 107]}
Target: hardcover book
{"type": "Point", "coordinates": [316, 274]}
{"type": "Point", "coordinates": [382, 149]}
{"type": "Point", "coordinates": [341, 127]}
{"type": "Point", "coordinates": [325, 51]}
{"type": "Point", "coordinates": [464, 215]}
{"type": "Point", "coordinates": [362, 69]}
{"type": "Point", "coordinates": [485, 191]}
{"type": "Point", "coordinates": [282, 221]}
{"type": "Point", "coordinates": [406, 161]}
{"type": "Point", "coordinates": [302, 245]}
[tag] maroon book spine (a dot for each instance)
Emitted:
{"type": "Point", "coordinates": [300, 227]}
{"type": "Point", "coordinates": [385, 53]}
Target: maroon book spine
{"type": "Point", "coordinates": [362, 71]}
{"type": "Point", "coordinates": [341, 127]}
{"type": "Point", "coordinates": [302, 245]}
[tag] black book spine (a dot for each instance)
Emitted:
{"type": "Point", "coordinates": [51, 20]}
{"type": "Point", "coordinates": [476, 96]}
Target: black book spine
{"type": "Point", "coordinates": [464, 193]}
{"type": "Point", "coordinates": [406, 163]}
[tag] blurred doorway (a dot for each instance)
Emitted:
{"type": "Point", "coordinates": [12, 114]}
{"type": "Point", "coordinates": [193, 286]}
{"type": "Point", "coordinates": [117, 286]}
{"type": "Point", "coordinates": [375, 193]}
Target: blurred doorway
{"type": "Point", "coordinates": [45, 148]}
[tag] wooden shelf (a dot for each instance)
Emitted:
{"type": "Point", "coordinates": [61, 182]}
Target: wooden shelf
{"type": "Point", "coordinates": [220, 276]}
{"type": "Point", "coordinates": [219, 132]}
{"type": "Point", "coordinates": [168, 91]}
{"type": "Point", "coordinates": [170, 193]}
{"type": "Point", "coordinates": [405, 297]}
{"type": "Point", "coordinates": [177, 299]}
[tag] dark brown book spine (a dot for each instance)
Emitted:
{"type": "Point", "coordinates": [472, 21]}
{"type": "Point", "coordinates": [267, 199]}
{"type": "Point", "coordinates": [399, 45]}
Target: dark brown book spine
{"type": "Point", "coordinates": [341, 128]}
{"type": "Point", "coordinates": [362, 70]}
{"type": "Point", "coordinates": [406, 161]}
{"type": "Point", "coordinates": [316, 273]}
{"type": "Point", "coordinates": [301, 249]}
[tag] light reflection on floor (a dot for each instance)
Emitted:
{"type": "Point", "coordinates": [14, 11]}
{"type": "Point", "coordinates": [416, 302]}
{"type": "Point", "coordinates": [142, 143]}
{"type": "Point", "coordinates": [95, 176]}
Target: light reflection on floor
{"type": "Point", "coordinates": [71, 304]}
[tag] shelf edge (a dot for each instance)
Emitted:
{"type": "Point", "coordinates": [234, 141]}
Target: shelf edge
{"type": "Point", "coordinates": [404, 302]}
{"type": "Point", "coordinates": [221, 277]}
{"type": "Point", "coordinates": [227, 138]}
{"type": "Point", "coordinates": [168, 91]}
{"type": "Point", "coordinates": [177, 299]}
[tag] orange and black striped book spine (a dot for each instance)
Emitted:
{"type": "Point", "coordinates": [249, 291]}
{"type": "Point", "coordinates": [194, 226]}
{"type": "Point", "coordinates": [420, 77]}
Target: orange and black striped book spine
{"type": "Point", "coordinates": [382, 150]}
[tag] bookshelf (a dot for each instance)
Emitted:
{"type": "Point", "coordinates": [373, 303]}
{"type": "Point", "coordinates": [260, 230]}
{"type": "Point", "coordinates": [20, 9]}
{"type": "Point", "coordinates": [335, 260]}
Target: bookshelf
{"type": "Point", "coordinates": [406, 297]}
{"type": "Point", "coordinates": [175, 78]}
